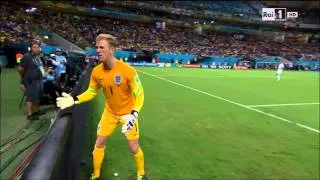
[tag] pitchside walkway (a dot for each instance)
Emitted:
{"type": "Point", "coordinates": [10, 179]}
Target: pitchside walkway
{"type": "Point", "coordinates": [18, 135]}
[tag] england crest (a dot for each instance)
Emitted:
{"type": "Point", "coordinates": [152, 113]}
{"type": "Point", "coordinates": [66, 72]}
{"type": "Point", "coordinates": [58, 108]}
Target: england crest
{"type": "Point", "coordinates": [117, 79]}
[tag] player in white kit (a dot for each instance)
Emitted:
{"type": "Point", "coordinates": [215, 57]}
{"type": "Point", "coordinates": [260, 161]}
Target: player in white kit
{"type": "Point", "coordinates": [279, 71]}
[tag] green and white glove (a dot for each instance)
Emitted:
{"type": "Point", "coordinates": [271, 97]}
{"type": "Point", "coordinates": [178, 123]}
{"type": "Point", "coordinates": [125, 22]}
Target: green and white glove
{"type": "Point", "coordinates": [129, 120]}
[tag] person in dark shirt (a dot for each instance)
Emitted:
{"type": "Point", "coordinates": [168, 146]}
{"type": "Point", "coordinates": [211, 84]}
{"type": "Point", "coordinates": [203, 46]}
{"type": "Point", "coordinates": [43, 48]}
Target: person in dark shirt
{"type": "Point", "coordinates": [32, 71]}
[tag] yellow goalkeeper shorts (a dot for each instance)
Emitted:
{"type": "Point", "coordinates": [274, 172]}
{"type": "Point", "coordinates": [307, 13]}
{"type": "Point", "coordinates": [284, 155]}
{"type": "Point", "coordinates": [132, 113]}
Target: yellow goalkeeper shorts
{"type": "Point", "coordinates": [109, 122]}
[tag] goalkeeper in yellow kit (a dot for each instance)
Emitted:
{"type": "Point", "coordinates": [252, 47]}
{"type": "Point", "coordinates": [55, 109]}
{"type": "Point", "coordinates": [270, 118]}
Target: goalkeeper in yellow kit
{"type": "Point", "coordinates": [124, 98]}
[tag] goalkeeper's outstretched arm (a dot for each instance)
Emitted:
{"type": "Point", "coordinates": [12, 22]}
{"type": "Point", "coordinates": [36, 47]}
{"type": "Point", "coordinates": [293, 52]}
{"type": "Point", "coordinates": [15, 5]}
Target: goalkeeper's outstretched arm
{"type": "Point", "coordinates": [89, 94]}
{"type": "Point", "coordinates": [66, 100]}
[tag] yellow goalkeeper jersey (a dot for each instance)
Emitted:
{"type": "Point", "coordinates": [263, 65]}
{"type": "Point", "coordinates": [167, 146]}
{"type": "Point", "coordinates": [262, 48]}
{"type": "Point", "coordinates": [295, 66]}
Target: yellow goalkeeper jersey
{"type": "Point", "coordinates": [121, 86]}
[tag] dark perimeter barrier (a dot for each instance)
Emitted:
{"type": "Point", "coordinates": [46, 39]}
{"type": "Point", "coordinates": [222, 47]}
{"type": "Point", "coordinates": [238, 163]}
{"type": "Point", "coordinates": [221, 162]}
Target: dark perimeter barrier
{"type": "Point", "coordinates": [60, 154]}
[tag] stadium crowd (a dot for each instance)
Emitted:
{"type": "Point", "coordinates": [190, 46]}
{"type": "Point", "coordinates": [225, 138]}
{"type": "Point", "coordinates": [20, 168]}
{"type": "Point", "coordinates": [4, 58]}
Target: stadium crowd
{"type": "Point", "coordinates": [82, 30]}
{"type": "Point", "coordinates": [12, 28]}
{"type": "Point", "coordinates": [179, 40]}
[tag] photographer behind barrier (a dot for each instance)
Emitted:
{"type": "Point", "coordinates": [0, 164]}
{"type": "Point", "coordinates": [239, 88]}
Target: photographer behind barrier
{"type": "Point", "coordinates": [31, 70]}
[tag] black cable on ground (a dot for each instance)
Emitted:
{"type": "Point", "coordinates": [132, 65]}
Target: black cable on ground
{"type": "Point", "coordinates": [8, 140]}
{"type": "Point", "coordinates": [14, 133]}
{"type": "Point", "coordinates": [17, 134]}
{"type": "Point", "coordinates": [20, 168]}
{"type": "Point", "coordinates": [9, 161]}
{"type": "Point", "coordinates": [20, 139]}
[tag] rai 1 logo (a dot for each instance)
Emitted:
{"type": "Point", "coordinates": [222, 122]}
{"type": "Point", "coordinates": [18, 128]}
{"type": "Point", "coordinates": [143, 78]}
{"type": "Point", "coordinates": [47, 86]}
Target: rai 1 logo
{"type": "Point", "coordinates": [277, 14]}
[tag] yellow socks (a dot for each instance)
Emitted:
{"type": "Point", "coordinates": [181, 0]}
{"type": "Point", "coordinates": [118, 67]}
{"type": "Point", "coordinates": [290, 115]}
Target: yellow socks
{"type": "Point", "coordinates": [98, 155]}
{"type": "Point", "coordinates": [139, 159]}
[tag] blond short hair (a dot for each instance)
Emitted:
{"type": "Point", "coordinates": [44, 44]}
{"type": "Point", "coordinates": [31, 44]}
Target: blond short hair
{"type": "Point", "coordinates": [113, 42]}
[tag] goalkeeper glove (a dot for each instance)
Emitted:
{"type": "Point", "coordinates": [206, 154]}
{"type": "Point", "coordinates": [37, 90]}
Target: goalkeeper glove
{"type": "Point", "coordinates": [129, 121]}
{"type": "Point", "coordinates": [66, 100]}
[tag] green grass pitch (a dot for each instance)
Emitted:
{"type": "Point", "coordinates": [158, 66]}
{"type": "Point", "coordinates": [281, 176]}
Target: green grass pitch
{"type": "Point", "coordinates": [195, 125]}
{"type": "Point", "coordinates": [12, 118]}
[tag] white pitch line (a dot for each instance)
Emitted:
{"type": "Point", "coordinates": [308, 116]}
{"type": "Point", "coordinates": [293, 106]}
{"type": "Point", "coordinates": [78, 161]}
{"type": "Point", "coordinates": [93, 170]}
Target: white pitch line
{"type": "Point", "coordinates": [232, 77]}
{"type": "Point", "coordinates": [293, 104]}
{"type": "Point", "coordinates": [192, 76]}
{"type": "Point", "coordinates": [235, 103]}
